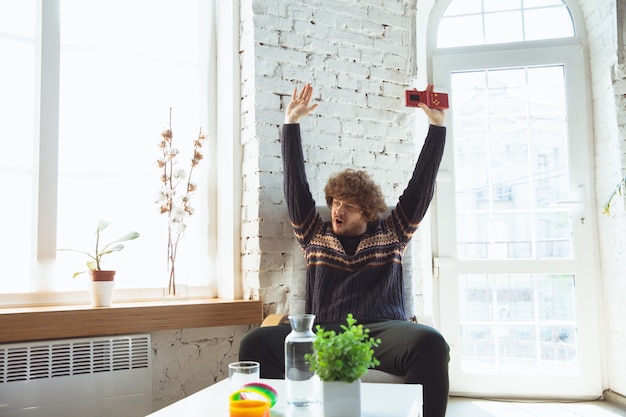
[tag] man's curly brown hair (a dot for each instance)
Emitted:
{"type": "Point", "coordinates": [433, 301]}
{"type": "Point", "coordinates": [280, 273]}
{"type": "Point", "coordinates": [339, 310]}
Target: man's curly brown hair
{"type": "Point", "coordinates": [356, 187]}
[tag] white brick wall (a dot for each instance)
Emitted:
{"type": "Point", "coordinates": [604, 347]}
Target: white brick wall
{"type": "Point", "coordinates": [360, 55]}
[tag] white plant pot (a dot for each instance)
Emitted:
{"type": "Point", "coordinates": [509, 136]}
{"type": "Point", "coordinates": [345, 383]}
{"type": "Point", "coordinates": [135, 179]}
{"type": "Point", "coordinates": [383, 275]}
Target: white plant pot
{"type": "Point", "coordinates": [101, 293]}
{"type": "Point", "coordinates": [341, 399]}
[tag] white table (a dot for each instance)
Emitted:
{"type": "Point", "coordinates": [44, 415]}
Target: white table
{"type": "Point", "coordinates": [377, 400]}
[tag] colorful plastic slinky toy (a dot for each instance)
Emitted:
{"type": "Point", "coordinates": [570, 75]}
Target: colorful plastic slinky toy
{"type": "Point", "coordinates": [252, 400]}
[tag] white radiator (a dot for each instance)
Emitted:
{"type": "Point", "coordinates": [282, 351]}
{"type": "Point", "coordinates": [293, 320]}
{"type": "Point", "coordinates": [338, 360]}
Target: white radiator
{"type": "Point", "coordinates": [96, 377]}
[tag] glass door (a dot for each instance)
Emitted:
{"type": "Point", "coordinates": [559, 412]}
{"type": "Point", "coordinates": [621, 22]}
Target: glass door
{"type": "Point", "coordinates": [515, 255]}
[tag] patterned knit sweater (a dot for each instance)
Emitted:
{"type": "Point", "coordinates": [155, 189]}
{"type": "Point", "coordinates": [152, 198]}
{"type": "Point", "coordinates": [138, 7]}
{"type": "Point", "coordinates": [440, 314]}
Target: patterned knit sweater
{"type": "Point", "coordinates": [367, 283]}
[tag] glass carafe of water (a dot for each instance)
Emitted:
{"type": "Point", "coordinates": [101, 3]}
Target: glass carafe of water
{"type": "Point", "coordinates": [303, 385]}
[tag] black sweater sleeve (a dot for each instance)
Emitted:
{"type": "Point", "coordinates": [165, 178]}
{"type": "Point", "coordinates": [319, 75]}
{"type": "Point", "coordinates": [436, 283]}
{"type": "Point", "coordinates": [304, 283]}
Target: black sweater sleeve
{"type": "Point", "coordinates": [300, 202]}
{"type": "Point", "coordinates": [418, 194]}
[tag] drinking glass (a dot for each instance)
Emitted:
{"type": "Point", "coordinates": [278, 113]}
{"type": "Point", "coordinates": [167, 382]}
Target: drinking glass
{"type": "Point", "coordinates": [243, 372]}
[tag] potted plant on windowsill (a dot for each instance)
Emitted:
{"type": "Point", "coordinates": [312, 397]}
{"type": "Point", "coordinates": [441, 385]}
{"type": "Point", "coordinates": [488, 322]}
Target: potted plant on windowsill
{"type": "Point", "coordinates": [102, 281]}
{"type": "Point", "coordinates": [340, 360]}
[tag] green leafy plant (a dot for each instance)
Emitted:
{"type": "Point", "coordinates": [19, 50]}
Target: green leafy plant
{"type": "Point", "coordinates": [344, 356]}
{"type": "Point", "coordinates": [95, 258]}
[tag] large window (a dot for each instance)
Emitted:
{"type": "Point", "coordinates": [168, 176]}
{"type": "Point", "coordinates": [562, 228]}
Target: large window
{"type": "Point", "coordinates": [86, 89]}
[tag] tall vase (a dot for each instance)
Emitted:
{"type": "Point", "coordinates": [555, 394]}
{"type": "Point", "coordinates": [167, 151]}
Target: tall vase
{"type": "Point", "coordinates": [303, 385]}
{"type": "Point", "coordinates": [175, 290]}
{"type": "Point", "coordinates": [170, 290]}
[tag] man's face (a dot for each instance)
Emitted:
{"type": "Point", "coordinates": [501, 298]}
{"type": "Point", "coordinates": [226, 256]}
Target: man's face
{"type": "Point", "coordinates": [347, 219]}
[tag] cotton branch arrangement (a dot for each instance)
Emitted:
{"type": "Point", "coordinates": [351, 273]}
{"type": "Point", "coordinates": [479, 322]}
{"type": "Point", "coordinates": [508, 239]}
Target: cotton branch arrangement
{"type": "Point", "coordinates": [174, 198]}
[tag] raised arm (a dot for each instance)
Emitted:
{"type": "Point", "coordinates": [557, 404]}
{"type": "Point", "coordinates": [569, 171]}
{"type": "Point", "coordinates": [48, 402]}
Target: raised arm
{"type": "Point", "coordinates": [300, 202]}
{"type": "Point", "coordinates": [419, 192]}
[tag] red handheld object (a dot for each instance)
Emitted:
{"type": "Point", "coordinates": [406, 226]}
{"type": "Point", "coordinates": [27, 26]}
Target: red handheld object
{"type": "Point", "coordinates": [428, 97]}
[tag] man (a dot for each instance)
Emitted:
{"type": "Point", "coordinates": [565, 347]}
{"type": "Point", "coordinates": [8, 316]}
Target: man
{"type": "Point", "coordinates": [354, 262]}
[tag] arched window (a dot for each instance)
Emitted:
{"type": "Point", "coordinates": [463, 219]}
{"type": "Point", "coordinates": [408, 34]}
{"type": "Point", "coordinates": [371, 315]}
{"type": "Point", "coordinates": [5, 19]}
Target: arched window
{"type": "Point", "coordinates": [484, 22]}
{"type": "Point", "coordinates": [513, 199]}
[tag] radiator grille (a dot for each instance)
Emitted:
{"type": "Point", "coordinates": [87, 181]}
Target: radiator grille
{"type": "Point", "coordinates": [25, 362]}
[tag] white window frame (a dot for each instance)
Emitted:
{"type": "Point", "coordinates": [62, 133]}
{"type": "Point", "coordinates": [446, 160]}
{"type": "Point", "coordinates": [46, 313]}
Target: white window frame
{"type": "Point", "coordinates": [224, 158]}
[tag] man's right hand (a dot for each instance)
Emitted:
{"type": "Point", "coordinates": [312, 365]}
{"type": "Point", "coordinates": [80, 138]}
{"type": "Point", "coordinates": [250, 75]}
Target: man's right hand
{"type": "Point", "coordinates": [299, 105]}
{"type": "Point", "coordinates": [436, 117]}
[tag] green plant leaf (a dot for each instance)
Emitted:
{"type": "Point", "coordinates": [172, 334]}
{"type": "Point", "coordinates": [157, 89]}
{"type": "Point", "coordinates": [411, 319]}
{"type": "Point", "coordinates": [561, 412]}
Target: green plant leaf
{"type": "Point", "coordinates": [126, 237]}
{"type": "Point", "coordinates": [77, 274]}
{"type": "Point", "coordinates": [618, 190]}
{"type": "Point", "coordinates": [108, 250]}
{"type": "Point", "coordinates": [74, 250]}
{"type": "Point", "coordinates": [102, 224]}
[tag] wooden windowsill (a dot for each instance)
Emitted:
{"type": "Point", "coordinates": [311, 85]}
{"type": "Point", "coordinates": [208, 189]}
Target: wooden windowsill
{"type": "Point", "coordinates": [56, 322]}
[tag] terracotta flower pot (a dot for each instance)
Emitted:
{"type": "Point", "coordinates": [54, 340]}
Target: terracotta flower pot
{"type": "Point", "coordinates": [102, 275]}
{"type": "Point", "coordinates": [101, 288]}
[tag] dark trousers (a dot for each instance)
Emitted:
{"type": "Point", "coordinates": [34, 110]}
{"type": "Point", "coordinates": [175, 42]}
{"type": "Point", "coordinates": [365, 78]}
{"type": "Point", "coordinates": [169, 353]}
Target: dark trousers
{"type": "Point", "coordinates": [416, 351]}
